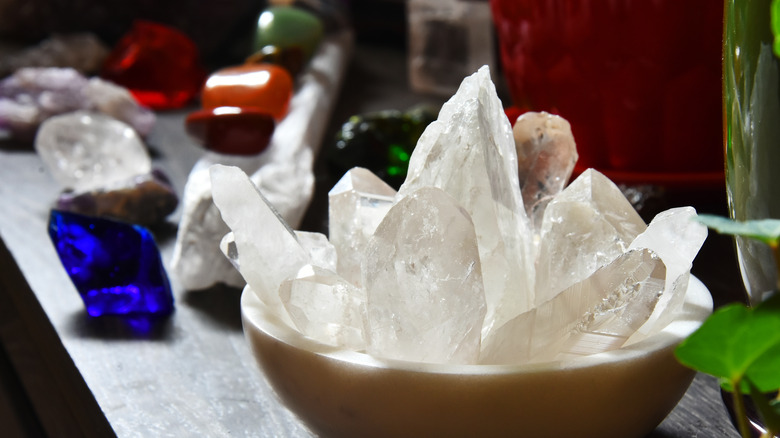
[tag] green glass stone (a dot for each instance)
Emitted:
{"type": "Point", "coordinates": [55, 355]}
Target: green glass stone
{"type": "Point", "coordinates": [381, 142]}
{"type": "Point", "coordinates": [287, 27]}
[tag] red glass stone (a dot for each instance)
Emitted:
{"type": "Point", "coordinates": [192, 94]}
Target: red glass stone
{"type": "Point", "coordinates": [266, 87]}
{"type": "Point", "coordinates": [159, 65]}
{"type": "Point", "coordinates": [231, 130]}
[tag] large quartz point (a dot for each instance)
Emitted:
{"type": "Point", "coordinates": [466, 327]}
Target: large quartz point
{"type": "Point", "coordinates": [269, 250]}
{"type": "Point", "coordinates": [594, 315]}
{"type": "Point", "coordinates": [469, 152]}
{"type": "Point", "coordinates": [546, 155]}
{"type": "Point", "coordinates": [585, 227]}
{"type": "Point", "coordinates": [325, 307]}
{"type": "Point", "coordinates": [423, 279]}
{"type": "Point", "coordinates": [356, 206]}
{"type": "Point", "coordinates": [676, 236]}
{"type": "Point", "coordinates": [88, 151]}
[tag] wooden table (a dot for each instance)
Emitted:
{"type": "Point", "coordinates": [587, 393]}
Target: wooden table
{"type": "Point", "coordinates": [194, 375]}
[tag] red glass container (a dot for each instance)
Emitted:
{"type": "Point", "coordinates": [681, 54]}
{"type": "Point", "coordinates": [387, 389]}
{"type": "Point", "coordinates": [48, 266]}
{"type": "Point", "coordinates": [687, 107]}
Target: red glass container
{"type": "Point", "coordinates": [639, 80]}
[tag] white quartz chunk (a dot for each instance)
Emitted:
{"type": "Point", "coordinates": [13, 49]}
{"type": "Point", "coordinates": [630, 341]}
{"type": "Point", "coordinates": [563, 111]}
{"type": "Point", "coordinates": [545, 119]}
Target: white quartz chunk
{"type": "Point", "coordinates": [268, 249]}
{"type": "Point", "coordinates": [546, 155]}
{"type": "Point", "coordinates": [585, 227]}
{"type": "Point", "coordinates": [423, 280]}
{"type": "Point", "coordinates": [325, 307]}
{"type": "Point", "coordinates": [321, 252]}
{"type": "Point", "coordinates": [676, 237]}
{"type": "Point", "coordinates": [356, 206]}
{"type": "Point", "coordinates": [87, 151]}
{"type": "Point", "coordinates": [469, 152]}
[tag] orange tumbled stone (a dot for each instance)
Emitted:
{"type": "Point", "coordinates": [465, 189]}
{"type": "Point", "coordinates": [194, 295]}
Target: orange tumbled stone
{"type": "Point", "coordinates": [266, 87]}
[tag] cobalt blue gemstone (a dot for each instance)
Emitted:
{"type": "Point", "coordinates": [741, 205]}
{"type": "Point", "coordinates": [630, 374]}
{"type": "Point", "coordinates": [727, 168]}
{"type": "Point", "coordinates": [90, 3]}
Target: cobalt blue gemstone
{"type": "Point", "coordinates": [115, 266]}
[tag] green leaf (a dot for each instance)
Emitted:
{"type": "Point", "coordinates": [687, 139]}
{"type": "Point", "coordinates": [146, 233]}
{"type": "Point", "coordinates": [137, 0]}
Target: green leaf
{"type": "Point", "coordinates": [735, 343]}
{"type": "Point", "coordinates": [765, 230]}
{"type": "Point", "coordinates": [774, 13]}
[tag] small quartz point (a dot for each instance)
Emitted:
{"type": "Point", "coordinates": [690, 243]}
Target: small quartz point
{"type": "Point", "coordinates": [585, 227]}
{"type": "Point", "coordinates": [423, 279]}
{"type": "Point", "coordinates": [601, 312]}
{"type": "Point", "coordinates": [676, 237]}
{"type": "Point", "coordinates": [469, 152]}
{"type": "Point", "coordinates": [89, 151]}
{"type": "Point", "coordinates": [546, 155]}
{"type": "Point", "coordinates": [321, 252]}
{"type": "Point", "coordinates": [356, 206]}
{"type": "Point", "coordinates": [325, 307]}
{"type": "Point", "coordinates": [269, 251]}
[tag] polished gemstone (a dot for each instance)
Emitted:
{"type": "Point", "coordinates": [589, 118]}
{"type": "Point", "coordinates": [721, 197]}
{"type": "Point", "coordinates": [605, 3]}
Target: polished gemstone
{"type": "Point", "coordinates": [144, 200]}
{"type": "Point", "coordinates": [285, 26]}
{"type": "Point", "coordinates": [231, 130]}
{"type": "Point", "coordinates": [381, 142]}
{"type": "Point", "coordinates": [89, 151]}
{"type": "Point", "coordinates": [265, 87]}
{"type": "Point", "coordinates": [158, 64]}
{"type": "Point", "coordinates": [291, 58]}
{"type": "Point", "coordinates": [116, 267]}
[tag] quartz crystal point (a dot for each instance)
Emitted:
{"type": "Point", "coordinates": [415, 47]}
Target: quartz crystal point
{"type": "Point", "coordinates": [32, 95]}
{"type": "Point", "coordinates": [325, 307]}
{"type": "Point", "coordinates": [676, 237]}
{"type": "Point", "coordinates": [546, 155]}
{"type": "Point", "coordinates": [594, 315]}
{"type": "Point", "coordinates": [269, 250]}
{"type": "Point", "coordinates": [115, 266]}
{"type": "Point", "coordinates": [585, 227]}
{"type": "Point", "coordinates": [321, 252]}
{"type": "Point", "coordinates": [423, 280]}
{"type": "Point", "coordinates": [356, 206]}
{"type": "Point", "coordinates": [89, 151]}
{"type": "Point", "coordinates": [469, 152]}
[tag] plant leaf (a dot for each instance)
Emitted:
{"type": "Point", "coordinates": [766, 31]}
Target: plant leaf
{"type": "Point", "coordinates": [765, 230]}
{"type": "Point", "coordinates": [774, 13]}
{"type": "Point", "coordinates": [735, 343]}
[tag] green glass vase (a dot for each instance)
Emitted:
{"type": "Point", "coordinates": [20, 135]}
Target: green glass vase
{"type": "Point", "coordinates": [751, 106]}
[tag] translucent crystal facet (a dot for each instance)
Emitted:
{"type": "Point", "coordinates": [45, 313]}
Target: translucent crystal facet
{"type": "Point", "coordinates": [86, 151]}
{"type": "Point", "coordinates": [469, 152]}
{"type": "Point", "coordinates": [423, 281]}
{"type": "Point", "coordinates": [585, 227]}
{"type": "Point", "coordinates": [269, 251]}
{"type": "Point", "coordinates": [325, 307]}
{"type": "Point", "coordinates": [116, 267]}
{"type": "Point", "coordinates": [357, 204]}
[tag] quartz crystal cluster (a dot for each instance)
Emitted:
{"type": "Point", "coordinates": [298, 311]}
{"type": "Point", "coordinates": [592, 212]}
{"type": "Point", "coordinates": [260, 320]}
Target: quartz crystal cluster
{"type": "Point", "coordinates": [32, 95]}
{"type": "Point", "coordinates": [455, 267]}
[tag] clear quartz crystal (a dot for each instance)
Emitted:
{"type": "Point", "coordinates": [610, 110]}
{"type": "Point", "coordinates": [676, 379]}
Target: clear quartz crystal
{"type": "Point", "coordinates": [326, 307]}
{"type": "Point", "coordinates": [601, 312]}
{"type": "Point", "coordinates": [423, 279]}
{"type": "Point", "coordinates": [585, 227]}
{"type": "Point", "coordinates": [356, 206]}
{"type": "Point", "coordinates": [321, 252]}
{"type": "Point", "coordinates": [269, 250]}
{"type": "Point", "coordinates": [88, 151]}
{"type": "Point", "coordinates": [469, 152]}
{"type": "Point", "coordinates": [546, 155]}
{"type": "Point", "coordinates": [676, 237]}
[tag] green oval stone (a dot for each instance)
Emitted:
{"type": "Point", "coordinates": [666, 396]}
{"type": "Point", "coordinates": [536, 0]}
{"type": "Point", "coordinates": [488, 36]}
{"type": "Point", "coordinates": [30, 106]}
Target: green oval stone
{"type": "Point", "coordinates": [287, 27]}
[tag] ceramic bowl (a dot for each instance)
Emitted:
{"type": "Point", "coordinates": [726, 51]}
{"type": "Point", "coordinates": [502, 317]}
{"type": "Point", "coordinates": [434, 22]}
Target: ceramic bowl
{"type": "Point", "coordinates": [623, 393]}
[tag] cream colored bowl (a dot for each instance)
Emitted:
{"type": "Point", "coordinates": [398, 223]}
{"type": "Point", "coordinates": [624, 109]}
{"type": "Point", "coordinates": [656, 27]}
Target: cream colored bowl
{"type": "Point", "coordinates": [624, 393]}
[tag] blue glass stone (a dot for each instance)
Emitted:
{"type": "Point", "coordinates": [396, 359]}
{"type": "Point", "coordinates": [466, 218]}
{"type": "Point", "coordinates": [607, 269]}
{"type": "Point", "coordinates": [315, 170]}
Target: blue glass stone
{"type": "Point", "coordinates": [115, 266]}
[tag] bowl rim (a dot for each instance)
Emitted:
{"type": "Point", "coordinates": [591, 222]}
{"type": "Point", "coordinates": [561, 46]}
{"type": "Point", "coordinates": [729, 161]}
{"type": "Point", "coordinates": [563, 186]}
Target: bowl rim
{"type": "Point", "coordinates": [696, 308]}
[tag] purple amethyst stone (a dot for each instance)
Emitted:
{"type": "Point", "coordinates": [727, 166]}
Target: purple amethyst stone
{"type": "Point", "coordinates": [115, 266]}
